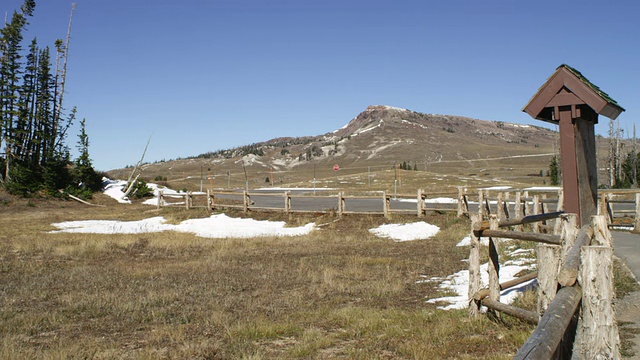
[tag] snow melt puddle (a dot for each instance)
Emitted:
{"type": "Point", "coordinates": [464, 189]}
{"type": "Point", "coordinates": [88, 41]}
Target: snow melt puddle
{"type": "Point", "coordinates": [458, 283]}
{"type": "Point", "coordinates": [406, 232]}
{"type": "Point", "coordinates": [217, 226]}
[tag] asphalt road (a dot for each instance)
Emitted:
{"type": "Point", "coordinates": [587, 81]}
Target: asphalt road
{"type": "Point", "coordinates": [626, 246]}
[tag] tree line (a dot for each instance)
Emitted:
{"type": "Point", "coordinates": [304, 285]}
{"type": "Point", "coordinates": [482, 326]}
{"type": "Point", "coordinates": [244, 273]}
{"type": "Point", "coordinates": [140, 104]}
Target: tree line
{"type": "Point", "coordinates": [34, 124]}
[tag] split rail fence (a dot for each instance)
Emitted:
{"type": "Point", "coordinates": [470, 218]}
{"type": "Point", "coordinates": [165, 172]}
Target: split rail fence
{"type": "Point", "coordinates": [339, 203]}
{"type": "Point", "coordinates": [575, 312]}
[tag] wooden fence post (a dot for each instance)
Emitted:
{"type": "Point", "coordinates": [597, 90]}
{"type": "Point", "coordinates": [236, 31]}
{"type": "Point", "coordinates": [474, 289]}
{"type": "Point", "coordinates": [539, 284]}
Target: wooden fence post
{"type": "Point", "coordinates": [494, 265]}
{"type": "Point", "coordinates": [463, 203]}
{"type": "Point", "coordinates": [287, 202]}
{"type": "Point", "coordinates": [518, 210]}
{"type": "Point", "coordinates": [636, 223]}
{"type": "Point", "coordinates": [245, 201]}
{"type": "Point", "coordinates": [536, 211]}
{"type": "Point", "coordinates": [386, 205]}
{"type": "Point", "coordinates": [569, 232]}
{"type": "Point", "coordinates": [597, 335]}
{"type": "Point", "coordinates": [187, 200]}
{"type": "Point", "coordinates": [500, 206]}
{"type": "Point", "coordinates": [160, 198]}
{"type": "Point", "coordinates": [507, 213]}
{"type": "Point", "coordinates": [481, 209]}
{"type": "Point", "coordinates": [340, 203]}
{"type": "Point", "coordinates": [474, 266]}
{"type": "Point", "coordinates": [559, 207]}
{"type": "Point", "coordinates": [526, 207]}
{"type": "Point", "coordinates": [548, 267]}
{"type": "Point", "coordinates": [421, 204]}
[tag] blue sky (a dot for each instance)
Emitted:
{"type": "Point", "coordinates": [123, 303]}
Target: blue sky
{"type": "Point", "coordinates": [204, 75]}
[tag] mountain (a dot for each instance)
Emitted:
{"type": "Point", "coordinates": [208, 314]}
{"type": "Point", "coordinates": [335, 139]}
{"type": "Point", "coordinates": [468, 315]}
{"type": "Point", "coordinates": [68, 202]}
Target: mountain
{"type": "Point", "coordinates": [375, 140]}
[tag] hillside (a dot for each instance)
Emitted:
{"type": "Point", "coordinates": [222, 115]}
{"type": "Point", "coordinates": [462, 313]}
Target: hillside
{"type": "Point", "coordinates": [457, 150]}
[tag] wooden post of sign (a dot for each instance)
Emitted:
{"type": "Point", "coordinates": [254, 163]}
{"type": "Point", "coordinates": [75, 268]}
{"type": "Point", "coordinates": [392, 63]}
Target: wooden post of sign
{"type": "Point", "coordinates": [474, 266]}
{"type": "Point", "coordinates": [245, 201]}
{"type": "Point", "coordinates": [340, 203]}
{"type": "Point", "coordinates": [209, 202]}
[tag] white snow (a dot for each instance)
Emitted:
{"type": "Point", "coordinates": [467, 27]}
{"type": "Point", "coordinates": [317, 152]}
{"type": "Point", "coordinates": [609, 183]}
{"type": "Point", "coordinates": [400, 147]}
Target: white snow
{"type": "Point", "coordinates": [216, 226]}
{"type": "Point", "coordinates": [458, 283]}
{"type": "Point", "coordinates": [406, 232]}
{"type": "Point", "coordinates": [497, 188]}
{"type": "Point", "coordinates": [113, 188]}
{"type": "Point", "coordinates": [293, 189]}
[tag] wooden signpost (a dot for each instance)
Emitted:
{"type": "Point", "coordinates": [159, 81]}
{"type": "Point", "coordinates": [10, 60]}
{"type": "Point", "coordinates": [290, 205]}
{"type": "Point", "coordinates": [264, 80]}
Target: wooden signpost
{"type": "Point", "coordinates": [571, 101]}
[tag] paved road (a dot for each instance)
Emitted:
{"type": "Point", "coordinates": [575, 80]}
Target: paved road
{"type": "Point", "coordinates": [626, 246]}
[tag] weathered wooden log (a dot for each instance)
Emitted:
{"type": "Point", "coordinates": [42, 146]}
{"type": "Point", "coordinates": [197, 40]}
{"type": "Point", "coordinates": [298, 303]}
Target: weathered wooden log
{"type": "Point", "coordinates": [518, 235]}
{"type": "Point", "coordinates": [523, 314]}
{"type": "Point", "coordinates": [474, 268]}
{"type": "Point", "coordinates": [506, 285]}
{"type": "Point", "coordinates": [597, 334]}
{"type": "Point", "coordinates": [493, 267]}
{"type": "Point", "coordinates": [569, 272]}
{"type": "Point", "coordinates": [548, 264]}
{"type": "Point", "coordinates": [483, 225]}
{"type": "Point", "coordinates": [545, 339]}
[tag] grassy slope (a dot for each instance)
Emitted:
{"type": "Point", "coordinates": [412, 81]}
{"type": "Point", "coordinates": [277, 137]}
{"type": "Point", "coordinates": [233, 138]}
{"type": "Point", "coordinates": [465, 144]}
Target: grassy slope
{"type": "Point", "coordinates": [336, 293]}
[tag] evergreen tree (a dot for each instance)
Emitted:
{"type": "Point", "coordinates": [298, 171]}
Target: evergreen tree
{"type": "Point", "coordinates": [86, 176]}
{"type": "Point", "coordinates": [554, 171]}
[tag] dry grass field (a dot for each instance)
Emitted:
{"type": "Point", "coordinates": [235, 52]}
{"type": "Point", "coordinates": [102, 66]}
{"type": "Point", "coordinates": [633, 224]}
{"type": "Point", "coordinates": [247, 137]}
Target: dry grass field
{"type": "Point", "coordinates": [338, 292]}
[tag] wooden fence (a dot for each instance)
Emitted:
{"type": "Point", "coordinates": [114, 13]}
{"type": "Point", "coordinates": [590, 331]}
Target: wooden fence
{"type": "Point", "coordinates": [620, 207]}
{"type": "Point", "coordinates": [575, 281]}
{"type": "Point", "coordinates": [213, 200]}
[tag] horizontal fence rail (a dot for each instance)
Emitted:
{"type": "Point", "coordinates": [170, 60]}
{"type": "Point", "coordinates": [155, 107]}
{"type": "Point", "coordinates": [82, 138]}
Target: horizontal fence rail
{"type": "Point", "coordinates": [288, 202]}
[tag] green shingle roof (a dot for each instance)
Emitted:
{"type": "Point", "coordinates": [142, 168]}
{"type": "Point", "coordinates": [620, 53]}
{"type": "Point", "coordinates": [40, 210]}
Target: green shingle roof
{"type": "Point", "coordinates": [593, 87]}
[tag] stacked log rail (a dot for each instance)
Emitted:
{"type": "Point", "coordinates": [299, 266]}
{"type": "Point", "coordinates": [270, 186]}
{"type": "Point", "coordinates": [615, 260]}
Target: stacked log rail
{"type": "Point", "coordinates": [574, 278]}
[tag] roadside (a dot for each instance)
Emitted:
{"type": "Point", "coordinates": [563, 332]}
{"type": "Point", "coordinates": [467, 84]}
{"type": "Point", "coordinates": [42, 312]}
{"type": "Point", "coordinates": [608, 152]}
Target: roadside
{"type": "Point", "coordinates": [627, 248]}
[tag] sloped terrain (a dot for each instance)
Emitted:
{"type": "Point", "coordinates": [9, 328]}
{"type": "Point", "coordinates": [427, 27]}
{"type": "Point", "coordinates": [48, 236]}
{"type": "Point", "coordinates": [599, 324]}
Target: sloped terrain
{"type": "Point", "coordinates": [458, 150]}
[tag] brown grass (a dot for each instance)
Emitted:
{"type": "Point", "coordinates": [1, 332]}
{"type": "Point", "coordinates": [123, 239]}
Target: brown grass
{"type": "Point", "coordinates": [337, 293]}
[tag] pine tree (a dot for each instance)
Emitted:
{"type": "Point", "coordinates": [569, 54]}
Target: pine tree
{"type": "Point", "coordinates": [86, 176]}
{"type": "Point", "coordinates": [554, 171]}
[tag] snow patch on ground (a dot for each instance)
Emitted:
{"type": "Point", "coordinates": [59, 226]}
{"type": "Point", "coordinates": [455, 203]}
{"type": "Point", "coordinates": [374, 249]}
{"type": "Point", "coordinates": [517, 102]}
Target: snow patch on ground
{"type": "Point", "coordinates": [458, 283]}
{"type": "Point", "coordinates": [216, 226]}
{"type": "Point", "coordinates": [114, 189]}
{"type": "Point", "coordinates": [406, 232]}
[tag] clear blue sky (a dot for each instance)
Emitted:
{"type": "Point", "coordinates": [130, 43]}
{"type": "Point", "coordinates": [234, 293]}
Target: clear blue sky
{"type": "Point", "coordinates": [204, 75]}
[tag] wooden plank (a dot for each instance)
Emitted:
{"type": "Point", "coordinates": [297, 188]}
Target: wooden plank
{"type": "Point", "coordinates": [569, 272]}
{"type": "Point", "coordinates": [523, 314]}
{"type": "Point", "coordinates": [545, 339]}
{"type": "Point", "coordinates": [519, 235]}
